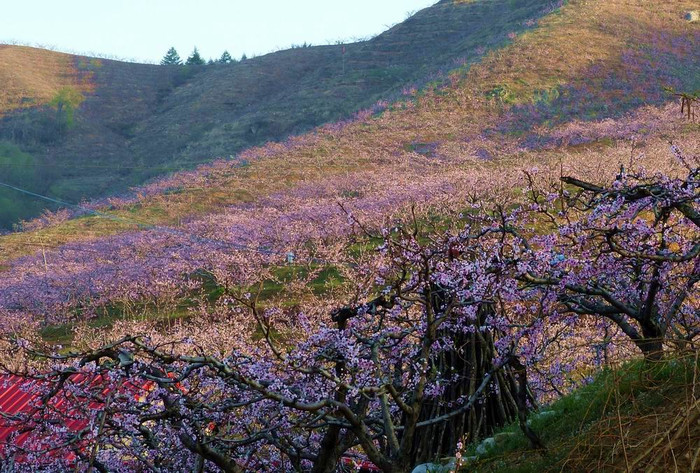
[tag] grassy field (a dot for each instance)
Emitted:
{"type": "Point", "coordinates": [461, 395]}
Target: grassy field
{"type": "Point", "coordinates": [630, 418]}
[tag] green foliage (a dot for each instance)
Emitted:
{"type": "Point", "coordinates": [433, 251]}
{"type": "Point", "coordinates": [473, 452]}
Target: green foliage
{"type": "Point", "coordinates": [195, 59]}
{"type": "Point", "coordinates": [65, 102]}
{"type": "Point", "coordinates": [171, 58]}
{"type": "Point", "coordinates": [225, 58]}
{"type": "Point", "coordinates": [501, 93]}
{"type": "Point", "coordinates": [18, 169]}
{"type": "Point", "coordinates": [545, 96]}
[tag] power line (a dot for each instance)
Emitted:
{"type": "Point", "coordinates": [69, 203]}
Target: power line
{"type": "Point", "coordinates": [39, 196]}
{"type": "Point", "coordinates": [142, 225]}
{"type": "Point", "coordinates": [183, 167]}
{"type": "Point", "coordinates": [170, 230]}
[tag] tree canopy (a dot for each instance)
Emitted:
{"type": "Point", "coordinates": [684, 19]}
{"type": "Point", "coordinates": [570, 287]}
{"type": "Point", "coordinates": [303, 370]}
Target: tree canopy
{"type": "Point", "coordinates": [171, 58]}
{"type": "Point", "coordinates": [487, 318]}
{"type": "Point", "coordinates": [225, 58]}
{"type": "Point", "coordinates": [195, 59]}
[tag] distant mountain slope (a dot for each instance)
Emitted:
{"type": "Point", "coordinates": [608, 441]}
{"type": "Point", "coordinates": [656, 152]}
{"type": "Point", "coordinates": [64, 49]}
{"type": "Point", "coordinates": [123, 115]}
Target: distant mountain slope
{"type": "Point", "coordinates": [580, 107]}
{"type": "Point", "coordinates": [139, 121]}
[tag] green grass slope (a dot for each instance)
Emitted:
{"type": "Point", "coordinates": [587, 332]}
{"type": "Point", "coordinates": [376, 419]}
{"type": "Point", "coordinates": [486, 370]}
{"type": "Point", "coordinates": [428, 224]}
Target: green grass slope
{"type": "Point", "coordinates": [634, 418]}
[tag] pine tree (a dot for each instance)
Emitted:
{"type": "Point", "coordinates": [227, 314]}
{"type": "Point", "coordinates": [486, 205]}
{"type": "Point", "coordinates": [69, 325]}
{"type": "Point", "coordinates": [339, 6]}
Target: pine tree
{"type": "Point", "coordinates": [171, 58]}
{"type": "Point", "coordinates": [225, 58]}
{"type": "Point", "coordinates": [195, 59]}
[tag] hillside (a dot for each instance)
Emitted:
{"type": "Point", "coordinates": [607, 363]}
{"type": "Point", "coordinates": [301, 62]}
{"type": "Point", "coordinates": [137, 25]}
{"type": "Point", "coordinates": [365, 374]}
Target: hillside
{"type": "Point", "coordinates": [391, 286]}
{"type": "Point", "coordinates": [435, 147]}
{"type": "Point", "coordinates": [32, 77]}
{"type": "Point", "coordinates": [140, 121]}
{"type": "Point", "coordinates": [630, 418]}
{"type": "Point", "coordinates": [571, 92]}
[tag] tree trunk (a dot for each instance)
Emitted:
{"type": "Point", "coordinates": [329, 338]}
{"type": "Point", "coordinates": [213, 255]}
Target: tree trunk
{"type": "Point", "coordinates": [652, 342]}
{"type": "Point", "coordinates": [521, 399]}
{"type": "Point", "coordinates": [466, 366]}
{"type": "Point", "coordinates": [330, 453]}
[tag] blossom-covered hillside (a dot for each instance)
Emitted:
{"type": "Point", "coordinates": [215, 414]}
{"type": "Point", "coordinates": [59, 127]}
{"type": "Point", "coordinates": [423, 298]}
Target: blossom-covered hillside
{"type": "Point", "coordinates": [580, 112]}
{"type": "Point", "coordinates": [387, 287]}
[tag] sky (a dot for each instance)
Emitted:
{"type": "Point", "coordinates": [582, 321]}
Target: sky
{"type": "Point", "coordinates": [143, 30]}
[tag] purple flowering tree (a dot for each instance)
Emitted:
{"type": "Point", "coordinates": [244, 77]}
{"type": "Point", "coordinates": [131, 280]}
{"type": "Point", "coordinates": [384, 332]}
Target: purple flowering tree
{"type": "Point", "coordinates": [401, 379]}
{"type": "Point", "coordinates": [628, 252]}
{"type": "Point", "coordinates": [455, 328]}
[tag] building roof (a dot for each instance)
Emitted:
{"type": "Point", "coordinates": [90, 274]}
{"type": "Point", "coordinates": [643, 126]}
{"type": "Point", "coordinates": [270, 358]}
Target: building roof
{"type": "Point", "coordinates": [21, 396]}
{"type": "Point", "coordinates": [24, 411]}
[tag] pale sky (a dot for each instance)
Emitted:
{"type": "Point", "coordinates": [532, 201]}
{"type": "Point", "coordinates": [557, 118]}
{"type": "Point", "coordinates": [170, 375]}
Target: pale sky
{"type": "Point", "coordinates": [143, 30]}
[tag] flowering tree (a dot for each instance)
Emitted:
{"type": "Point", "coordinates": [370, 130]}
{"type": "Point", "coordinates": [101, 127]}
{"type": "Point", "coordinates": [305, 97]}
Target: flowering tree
{"type": "Point", "coordinates": [454, 324]}
{"type": "Point", "coordinates": [413, 362]}
{"type": "Point", "coordinates": [628, 253]}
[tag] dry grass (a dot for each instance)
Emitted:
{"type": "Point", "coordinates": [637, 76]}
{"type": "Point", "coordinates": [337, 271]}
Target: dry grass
{"type": "Point", "coordinates": [32, 77]}
{"type": "Point", "coordinates": [16, 245]}
{"type": "Point", "coordinates": [657, 430]}
{"type": "Point", "coordinates": [557, 52]}
{"type": "Point", "coordinates": [566, 44]}
{"type": "Point", "coordinates": [637, 418]}
{"type": "Point", "coordinates": [597, 161]}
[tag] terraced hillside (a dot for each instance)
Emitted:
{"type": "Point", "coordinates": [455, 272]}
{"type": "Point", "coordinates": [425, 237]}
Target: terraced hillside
{"type": "Point", "coordinates": [338, 283]}
{"type": "Point", "coordinates": [139, 121]}
{"type": "Point", "coordinates": [435, 147]}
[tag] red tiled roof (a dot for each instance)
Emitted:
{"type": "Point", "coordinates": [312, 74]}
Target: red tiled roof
{"type": "Point", "coordinates": [21, 396]}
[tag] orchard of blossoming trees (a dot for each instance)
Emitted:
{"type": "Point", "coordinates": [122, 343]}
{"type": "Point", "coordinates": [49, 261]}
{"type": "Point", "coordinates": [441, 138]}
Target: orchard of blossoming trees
{"type": "Point", "coordinates": [237, 318]}
{"type": "Point", "coordinates": [459, 331]}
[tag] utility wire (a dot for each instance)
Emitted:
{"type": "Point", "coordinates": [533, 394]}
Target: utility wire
{"type": "Point", "coordinates": [183, 167]}
{"type": "Point", "coordinates": [142, 225]}
{"type": "Point", "coordinates": [170, 230]}
{"type": "Point", "coordinates": [39, 196]}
